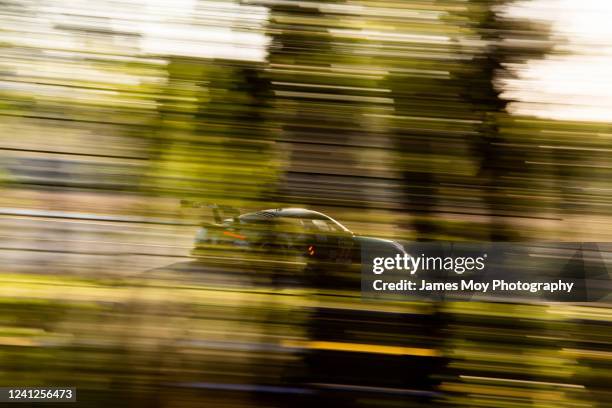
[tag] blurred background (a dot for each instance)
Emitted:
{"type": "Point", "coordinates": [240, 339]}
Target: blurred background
{"type": "Point", "coordinates": [456, 120]}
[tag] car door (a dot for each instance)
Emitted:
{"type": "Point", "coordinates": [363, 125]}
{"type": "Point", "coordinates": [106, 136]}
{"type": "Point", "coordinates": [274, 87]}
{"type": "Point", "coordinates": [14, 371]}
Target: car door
{"type": "Point", "coordinates": [332, 243]}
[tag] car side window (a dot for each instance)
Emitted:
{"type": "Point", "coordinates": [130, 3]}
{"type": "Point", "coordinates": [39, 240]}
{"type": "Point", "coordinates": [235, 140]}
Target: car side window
{"type": "Point", "coordinates": [324, 225]}
{"type": "Point", "coordinates": [321, 225]}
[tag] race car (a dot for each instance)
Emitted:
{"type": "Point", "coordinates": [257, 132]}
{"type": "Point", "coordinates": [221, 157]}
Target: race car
{"type": "Point", "coordinates": [292, 235]}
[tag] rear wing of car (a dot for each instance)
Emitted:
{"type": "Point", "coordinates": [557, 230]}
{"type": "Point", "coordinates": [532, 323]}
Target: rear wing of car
{"type": "Point", "coordinates": [220, 212]}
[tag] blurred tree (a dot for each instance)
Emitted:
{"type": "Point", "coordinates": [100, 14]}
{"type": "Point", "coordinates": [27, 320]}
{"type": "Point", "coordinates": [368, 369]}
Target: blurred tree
{"type": "Point", "coordinates": [215, 141]}
{"type": "Point", "coordinates": [507, 44]}
{"type": "Point", "coordinates": [322, 88]}
{"type": "Point", "coordinates": [455, 107]}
